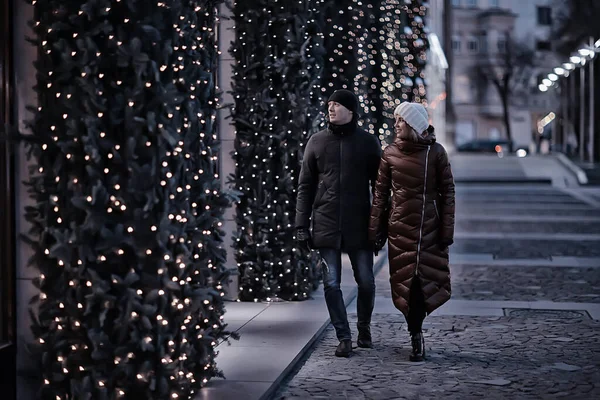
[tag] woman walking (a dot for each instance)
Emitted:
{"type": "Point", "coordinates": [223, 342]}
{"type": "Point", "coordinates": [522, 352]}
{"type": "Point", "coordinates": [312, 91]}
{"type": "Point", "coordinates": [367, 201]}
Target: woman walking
{"type": "Point", "coordinates": [419, 220]}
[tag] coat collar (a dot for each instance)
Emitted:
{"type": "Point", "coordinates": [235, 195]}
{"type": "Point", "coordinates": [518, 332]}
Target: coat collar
{"type": "Point", "coordinates": [422, 143]}
{"type": "Point", "coordinates": [342, 130]}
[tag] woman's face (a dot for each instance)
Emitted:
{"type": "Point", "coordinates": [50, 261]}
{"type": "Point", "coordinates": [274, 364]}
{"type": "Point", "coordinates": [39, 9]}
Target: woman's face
{"type": "Point", "coordinates": [400, 126]}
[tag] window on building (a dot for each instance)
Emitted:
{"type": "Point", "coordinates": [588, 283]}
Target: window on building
{"type": "Point", "coordinates": [502, 45]}
{"type": "Point", "coordinates": [473, 45]}
{"type": "Point", "coordinates": [494, 133]}
{"type": "Point", "coordinates": [494, 3]}
{"type": "Point", "coordinates": [483, 46]}
{"type": "Point", "coordinates": [463, 89]}
{"type": "Point", "coordinates": [544, 15]}
{"type": "Point", "coordinates": [471, 3]}
{"type": "Point", "coordinates": [456, 44]}
{"type": "Point", "coordinates": [543, 45]}
{"type": "Point", "coordinates": [456, 3]}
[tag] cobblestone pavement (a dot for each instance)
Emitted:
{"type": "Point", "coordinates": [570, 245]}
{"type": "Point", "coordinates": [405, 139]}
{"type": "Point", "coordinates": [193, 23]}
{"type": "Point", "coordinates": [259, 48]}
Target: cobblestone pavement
{"type": "Point", "coordinates": [467, 358]}
{"type": "Point", "coordinates": [584, 211]}
{"type": "Point", "coordinates": [528, 248]}
{"type": "Point", "coordinates": [579, 285]}
{"type": "Point", "coordinates": [526, 354]}
{"type": "Point", "coordinates": [537, 227]}
{"type": "Point", "coordinates": [520, 200]}
{"type": "Point", "coordinates": [518, 283]}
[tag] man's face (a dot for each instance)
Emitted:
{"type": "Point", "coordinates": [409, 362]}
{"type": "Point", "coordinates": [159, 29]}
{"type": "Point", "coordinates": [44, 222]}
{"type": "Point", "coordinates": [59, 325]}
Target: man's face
{"type": "Point", "coordinates": [338, 114]}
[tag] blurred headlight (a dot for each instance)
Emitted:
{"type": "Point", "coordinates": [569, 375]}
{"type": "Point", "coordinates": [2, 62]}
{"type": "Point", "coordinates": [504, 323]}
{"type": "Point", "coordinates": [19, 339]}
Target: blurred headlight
{"type": "Point", "coordinates": [521, 153]}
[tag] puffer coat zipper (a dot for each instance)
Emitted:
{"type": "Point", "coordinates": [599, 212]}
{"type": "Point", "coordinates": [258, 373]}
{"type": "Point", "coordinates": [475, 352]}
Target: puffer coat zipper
{"type": "Point", "coordinates": [422, 212]}
{"type": "Point", "coordinates": [341, 186]}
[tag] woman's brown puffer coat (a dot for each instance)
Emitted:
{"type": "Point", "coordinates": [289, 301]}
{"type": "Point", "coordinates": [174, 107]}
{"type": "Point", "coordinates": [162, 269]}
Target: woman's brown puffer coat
{"type": "Point", "coordinates": [420, 218]}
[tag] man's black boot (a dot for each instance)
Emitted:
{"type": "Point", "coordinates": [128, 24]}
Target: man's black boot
{"type": "Point", "coordinates": [344, 348]}
{"type": "Point", "coordinates": [418, 347]}
{"type": "Point", "coordinates": [364, 338]}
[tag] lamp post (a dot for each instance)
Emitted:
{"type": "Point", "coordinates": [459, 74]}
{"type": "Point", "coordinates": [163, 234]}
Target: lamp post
{"type": "Point", "coordinates": [590, 51]}
{"type": "Point", "coordinates": [564, 105]}
{"type": "Point", "coordinates": [581, 114]}
{"type": "Point", "coordinates": [564, 100]}
{"type": "Point", "coordinates": [572, 99]}
{"type": "Point", "coordinates": [568, 95]}
{"type": "Point", "coordinates": [591, 111]}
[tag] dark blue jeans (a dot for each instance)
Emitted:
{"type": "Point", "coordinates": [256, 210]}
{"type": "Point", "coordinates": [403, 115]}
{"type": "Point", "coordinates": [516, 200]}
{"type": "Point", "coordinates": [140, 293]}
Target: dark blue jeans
{"type": "Point", "coordinates": [362, 266]}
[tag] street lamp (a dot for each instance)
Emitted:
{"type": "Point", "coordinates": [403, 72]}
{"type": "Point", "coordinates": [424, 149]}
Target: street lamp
{"type": "Point", "coordinates": [583, 55]}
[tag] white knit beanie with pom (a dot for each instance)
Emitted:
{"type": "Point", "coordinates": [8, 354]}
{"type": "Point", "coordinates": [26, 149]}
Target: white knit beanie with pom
{"type": "Point", "coordinates": [415, 115]}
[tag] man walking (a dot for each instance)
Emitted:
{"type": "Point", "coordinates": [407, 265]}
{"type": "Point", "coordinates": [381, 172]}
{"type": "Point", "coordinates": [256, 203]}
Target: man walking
{"type": "Point", "coordinates": [340, 164]}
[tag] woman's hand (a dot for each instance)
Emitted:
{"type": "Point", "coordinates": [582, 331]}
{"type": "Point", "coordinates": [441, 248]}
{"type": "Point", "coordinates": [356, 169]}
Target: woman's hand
{"type": "Point", "coordinates": [379, 243]}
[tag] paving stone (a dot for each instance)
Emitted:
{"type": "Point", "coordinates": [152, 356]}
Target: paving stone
{"type": "Point", "coordinates": [566, 367]}
{"type": "Point", "coordinates": [337, 378]}
{"type": "Point", "coordinates": [495, 382]}
{"type": "Point", "coordinates": [547, 315]}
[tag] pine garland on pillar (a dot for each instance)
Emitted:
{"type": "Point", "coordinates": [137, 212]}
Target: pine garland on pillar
{"type": "Point", "coordinates": [275, 87]}
{"type": "Point", "coordinates": [415, 39]}
{"type": "Point", "coordinates": [405, 55]}
{"type": "Point", "coordinates": [368, 81]}
{"type": "Point", "coordinates": [352, 36]}
{"type": "Point", "coordinates": [126, 222]}
{"type": "Point", "coordinates": [378, 50]}
{"type": "Point", "coordinates": [342, 33]}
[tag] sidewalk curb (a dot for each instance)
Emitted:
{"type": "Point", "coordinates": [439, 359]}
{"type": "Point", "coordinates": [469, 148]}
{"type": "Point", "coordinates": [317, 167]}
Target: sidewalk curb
{"type": "Point", "coordinates": [574, 169]}
{"type": "Point", "coordinates": [496, 181]}
{"type": "Point", "coordinates": [270, 392]}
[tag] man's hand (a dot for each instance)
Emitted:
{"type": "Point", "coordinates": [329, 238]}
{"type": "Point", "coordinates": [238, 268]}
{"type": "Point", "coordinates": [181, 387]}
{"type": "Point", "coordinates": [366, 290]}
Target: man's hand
{"type": "Point", "coordinates": [303, 238]}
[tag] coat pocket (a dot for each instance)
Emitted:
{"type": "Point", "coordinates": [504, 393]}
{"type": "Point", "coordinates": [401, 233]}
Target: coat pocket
{"type": "Point", "coordinates": [437, 211]}
{"type": "Point", "coordinates": [321, 189]}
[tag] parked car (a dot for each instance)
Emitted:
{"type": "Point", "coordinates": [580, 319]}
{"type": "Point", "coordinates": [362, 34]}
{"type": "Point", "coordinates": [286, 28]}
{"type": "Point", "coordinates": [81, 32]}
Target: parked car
{"type": "Point", "coordinates": [485, 146]}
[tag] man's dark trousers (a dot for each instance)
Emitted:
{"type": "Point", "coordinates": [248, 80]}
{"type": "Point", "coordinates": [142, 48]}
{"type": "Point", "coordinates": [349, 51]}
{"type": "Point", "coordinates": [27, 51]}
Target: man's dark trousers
{"type": "Point", "coordinates": [362, 266]}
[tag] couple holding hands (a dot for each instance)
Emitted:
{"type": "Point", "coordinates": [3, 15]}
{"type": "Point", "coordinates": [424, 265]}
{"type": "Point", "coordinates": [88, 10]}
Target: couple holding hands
{"type": "Point", "coordinates": [412, 209]}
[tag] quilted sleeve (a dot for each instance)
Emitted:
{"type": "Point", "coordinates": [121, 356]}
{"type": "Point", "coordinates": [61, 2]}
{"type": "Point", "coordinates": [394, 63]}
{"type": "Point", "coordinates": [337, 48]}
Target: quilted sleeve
{"type": "Point", "coordinates": [446, 193]}
{"type": "Point", "coordinates": [379, 210]}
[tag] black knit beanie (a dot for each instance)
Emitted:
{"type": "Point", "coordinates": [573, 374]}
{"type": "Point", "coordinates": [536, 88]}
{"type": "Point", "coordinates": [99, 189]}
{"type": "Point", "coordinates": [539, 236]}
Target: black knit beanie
{"type": "Point", "coordinates": [345, 98]}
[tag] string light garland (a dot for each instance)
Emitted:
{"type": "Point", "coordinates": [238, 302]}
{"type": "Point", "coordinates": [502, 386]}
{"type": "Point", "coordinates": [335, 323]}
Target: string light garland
{"type": "Point", "coordinates": [378, 50]}
{"type": "Point", "coordinates": [405, 57]}
{"type": "Point", "coordinates": [126, 225]}
{"type": "Point", "coordinates": [278, 53]}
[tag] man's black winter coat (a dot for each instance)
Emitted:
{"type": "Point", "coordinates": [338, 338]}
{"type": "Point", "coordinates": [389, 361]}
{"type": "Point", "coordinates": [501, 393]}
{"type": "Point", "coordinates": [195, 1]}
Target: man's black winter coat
{"type": "Point", "coordinates": [337, 172]}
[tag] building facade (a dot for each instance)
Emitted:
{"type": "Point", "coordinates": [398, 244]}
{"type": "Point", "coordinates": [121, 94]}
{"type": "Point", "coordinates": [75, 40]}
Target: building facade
{"type": "Point", "coordinates": [482, 31]}
{"type": "Point", "coordinates": [435, 71]}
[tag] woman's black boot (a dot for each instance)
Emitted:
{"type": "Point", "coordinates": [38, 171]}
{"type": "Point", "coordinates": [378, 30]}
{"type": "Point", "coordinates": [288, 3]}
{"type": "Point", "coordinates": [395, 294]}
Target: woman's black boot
{"type": "Point", "coordinates": [418, 347]}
